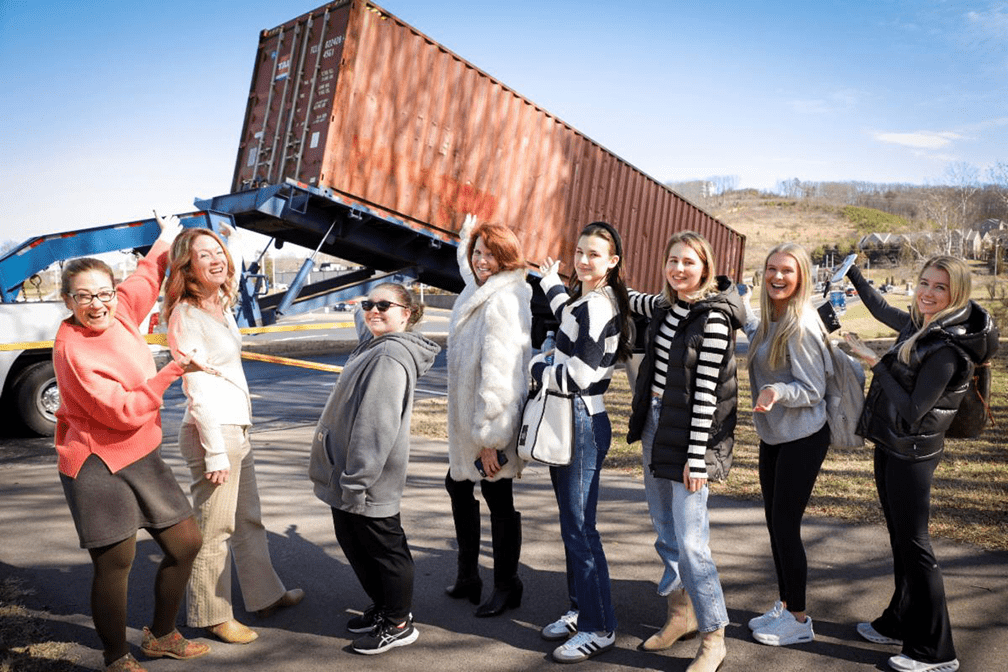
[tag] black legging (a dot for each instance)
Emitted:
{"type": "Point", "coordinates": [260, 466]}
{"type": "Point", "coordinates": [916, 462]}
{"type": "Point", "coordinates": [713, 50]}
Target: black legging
{"type": "Point", "coordinates": [180, 544]}
{"type": "Point", "coordinates": [917, 612]}
{"type": "Point", "coordinates": [787, 473]}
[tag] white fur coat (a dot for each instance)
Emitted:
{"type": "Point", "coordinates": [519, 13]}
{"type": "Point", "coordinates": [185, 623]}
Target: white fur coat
{"type": "Point", "coordinates": [489, 347]}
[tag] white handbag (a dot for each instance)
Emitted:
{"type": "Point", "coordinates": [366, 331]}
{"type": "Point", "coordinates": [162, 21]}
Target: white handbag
{"type": "Point", "coordinates": [547, 429]}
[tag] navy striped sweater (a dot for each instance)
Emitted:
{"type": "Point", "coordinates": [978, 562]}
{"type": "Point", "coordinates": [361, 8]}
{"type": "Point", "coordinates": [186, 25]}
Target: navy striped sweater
{"type": "Point", "coordinates": [586, 343]}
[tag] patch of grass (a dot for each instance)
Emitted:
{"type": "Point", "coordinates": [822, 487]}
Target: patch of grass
{"type": "Point", "coordinates": [25, 644]}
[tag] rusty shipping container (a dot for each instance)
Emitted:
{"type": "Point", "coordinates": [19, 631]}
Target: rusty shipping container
{"type": "Point", "coordinates": [350, 98]}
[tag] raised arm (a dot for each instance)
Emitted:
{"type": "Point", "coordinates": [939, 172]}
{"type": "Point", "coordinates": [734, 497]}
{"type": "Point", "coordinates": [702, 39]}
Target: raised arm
{"type": "Point", "coordinates": [139, 292]}
{"type": "Point", "coordinates": [643, 305]}
{"type": "Point", "coordinates": [891, 316]}
{"type": "Point", "coordinates": [462, 253]}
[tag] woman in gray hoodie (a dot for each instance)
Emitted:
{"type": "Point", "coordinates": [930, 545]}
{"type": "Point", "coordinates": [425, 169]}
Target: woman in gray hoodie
{"type": "Point", "coordinates": [359, 456]}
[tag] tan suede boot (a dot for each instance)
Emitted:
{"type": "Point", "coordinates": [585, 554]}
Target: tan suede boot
{"type": "Point", "coordinates": [681, 623]}
{"type": "Point", "coordinates": [711, 653]}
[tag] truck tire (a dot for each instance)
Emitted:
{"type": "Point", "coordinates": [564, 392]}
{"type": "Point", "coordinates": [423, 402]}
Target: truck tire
{"type": "Point", "coordinates": [38, 398]}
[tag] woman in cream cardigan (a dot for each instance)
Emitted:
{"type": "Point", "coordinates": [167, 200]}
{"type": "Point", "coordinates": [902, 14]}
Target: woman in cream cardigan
{"type": "Point", "coordinates": [214, 440]}
{"type": "Point", "coordinates": [489, 347]}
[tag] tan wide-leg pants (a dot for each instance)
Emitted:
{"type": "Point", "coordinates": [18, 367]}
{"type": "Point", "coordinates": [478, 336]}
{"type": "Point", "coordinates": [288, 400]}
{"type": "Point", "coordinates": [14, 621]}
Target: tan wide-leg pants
{"type": "Point", "coordinates": [230, 519]}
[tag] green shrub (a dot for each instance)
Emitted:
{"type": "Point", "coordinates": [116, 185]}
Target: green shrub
{"type": "Point", "coordinates": [870, 220]}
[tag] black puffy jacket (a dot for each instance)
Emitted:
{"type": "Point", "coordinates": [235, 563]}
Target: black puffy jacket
{"type": "Point", "coordinates": [668, 455]}
{"type": "Point", "coordinates": [972, 334]}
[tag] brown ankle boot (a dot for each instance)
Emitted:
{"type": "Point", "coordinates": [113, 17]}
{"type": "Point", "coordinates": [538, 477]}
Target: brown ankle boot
{"type": "Point", "coordinates": [711, 653]}
{"type": "Point", "coordinates": [681, 623]}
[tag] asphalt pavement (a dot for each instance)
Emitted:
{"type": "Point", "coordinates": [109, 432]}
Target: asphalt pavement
{"type": "Point", "coordinates": [849, 568]}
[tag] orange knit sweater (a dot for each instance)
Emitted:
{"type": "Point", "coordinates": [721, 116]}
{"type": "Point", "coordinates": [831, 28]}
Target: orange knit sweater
{"type": "Point", "coordinates": [110, 389]}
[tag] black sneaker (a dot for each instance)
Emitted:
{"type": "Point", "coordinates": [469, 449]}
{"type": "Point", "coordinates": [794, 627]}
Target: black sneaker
{"type": "Point", "coordinates": [386, 635]}
{"type": "Point", "coordinates": [366, 622]}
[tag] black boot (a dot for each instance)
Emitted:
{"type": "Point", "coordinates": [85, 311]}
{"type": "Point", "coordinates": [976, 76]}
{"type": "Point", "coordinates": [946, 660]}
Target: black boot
{"type": "Point", "coordinates": [468, 584]}
{"type": "Point", "coordinates": [508, 588]}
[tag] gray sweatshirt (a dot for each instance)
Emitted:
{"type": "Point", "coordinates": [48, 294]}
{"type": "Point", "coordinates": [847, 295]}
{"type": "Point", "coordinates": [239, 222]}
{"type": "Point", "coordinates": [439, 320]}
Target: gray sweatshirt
{"type": "Point", "coordinates": [360, 450]}
{"type": "Point", "coordinates": [801, 381]}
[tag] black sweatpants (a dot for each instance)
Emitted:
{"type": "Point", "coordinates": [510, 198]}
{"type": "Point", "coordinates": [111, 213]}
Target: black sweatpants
{"type": "Point", "coordinates": [787, 473]}
{"type": "Point", "coordinates": [376, 550]}
{"type": "Point", "coordinates": [917, 612]}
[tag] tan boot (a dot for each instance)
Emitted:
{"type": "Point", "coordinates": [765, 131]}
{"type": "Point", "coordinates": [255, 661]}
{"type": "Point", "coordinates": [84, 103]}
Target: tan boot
{"type": "Point", "coordinates": [711, 653]}
{"type": "Point", "coordinates": [681, 623]}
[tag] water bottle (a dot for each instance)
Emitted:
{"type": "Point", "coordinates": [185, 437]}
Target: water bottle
{"type": "Point", "coordinates": [549, 343]}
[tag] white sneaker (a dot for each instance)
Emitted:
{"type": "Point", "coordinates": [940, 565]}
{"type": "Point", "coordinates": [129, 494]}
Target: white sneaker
{"type": "Point", "coordinates": [905, 664]}
{"type": "Point", "coordinates": [562, 628]}
{"type": "Point", "coordinates": [583, 646]}
{"type": "Point", "coordinates": [769, 617]}
{"type": "Point", "coordinates": [874, 636]}
{"type": "Point", "coordinates": [785, 630]}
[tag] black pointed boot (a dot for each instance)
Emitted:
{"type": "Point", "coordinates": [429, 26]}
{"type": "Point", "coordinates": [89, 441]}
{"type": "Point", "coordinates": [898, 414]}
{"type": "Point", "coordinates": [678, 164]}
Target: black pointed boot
{"type": "Point", "coordinates": [468, 583]}
{"type": "Point", "coordinates": [508, 588]}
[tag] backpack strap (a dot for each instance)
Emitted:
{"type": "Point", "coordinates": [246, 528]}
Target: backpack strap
{"type": "Point", "coordinates": [976, 384]}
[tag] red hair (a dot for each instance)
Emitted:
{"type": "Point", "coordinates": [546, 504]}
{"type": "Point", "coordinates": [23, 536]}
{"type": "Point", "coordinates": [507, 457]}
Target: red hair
{"type": "Point", "coordinates": [502, 244]}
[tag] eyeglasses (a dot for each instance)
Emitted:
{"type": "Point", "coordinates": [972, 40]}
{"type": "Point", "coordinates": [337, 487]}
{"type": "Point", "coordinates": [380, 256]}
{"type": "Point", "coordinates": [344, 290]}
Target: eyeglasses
{"type": "Point", "coordinates": [382, 305]}
{"type": "Point", "coordinates": [86, 298]}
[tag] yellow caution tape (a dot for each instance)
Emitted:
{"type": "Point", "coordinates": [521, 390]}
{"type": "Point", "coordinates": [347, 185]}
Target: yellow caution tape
{"type": "Point", "coordinates": [296, 327]}
{"type": "Point", "coordinates": [27, 345]}
{"type": "Point", "coordinates": [162, 339]}
{"type": "Point", "coordinates": [287, 361]}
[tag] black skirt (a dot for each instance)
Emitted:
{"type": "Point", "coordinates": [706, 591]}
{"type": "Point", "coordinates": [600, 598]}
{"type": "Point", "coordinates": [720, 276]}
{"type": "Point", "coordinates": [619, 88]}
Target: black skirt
{"type": "Point", "coordinates": [108, 508]}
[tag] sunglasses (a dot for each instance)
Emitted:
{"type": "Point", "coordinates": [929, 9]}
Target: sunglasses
{"type": "Point", "coordinates": [382, 305]}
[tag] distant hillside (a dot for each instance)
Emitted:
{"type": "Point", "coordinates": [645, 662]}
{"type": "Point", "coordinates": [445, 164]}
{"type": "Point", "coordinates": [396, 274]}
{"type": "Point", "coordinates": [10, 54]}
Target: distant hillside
{"type": "Point", "coordinates": [768, 220]}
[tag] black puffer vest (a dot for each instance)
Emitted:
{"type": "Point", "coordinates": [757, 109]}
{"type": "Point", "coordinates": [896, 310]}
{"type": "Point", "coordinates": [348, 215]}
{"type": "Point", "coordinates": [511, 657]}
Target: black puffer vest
{"type": "Point", "coordinates": [668, 455]}
{"type": "Point", "coordinates": [972, 334]}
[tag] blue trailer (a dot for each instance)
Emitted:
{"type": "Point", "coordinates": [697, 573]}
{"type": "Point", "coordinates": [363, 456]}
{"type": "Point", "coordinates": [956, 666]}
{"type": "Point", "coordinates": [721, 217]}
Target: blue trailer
{"type": "Point", "coordinates": [388, 247]}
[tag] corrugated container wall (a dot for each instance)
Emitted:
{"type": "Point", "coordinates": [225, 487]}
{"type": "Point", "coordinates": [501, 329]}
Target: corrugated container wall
{"type": "Point", "coordinates": [350, 98]}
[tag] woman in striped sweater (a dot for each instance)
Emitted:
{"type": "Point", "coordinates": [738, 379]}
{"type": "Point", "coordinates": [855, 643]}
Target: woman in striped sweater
{"type": "Point", "coordinates": [593, 335]}
{"type": "Point", "coordinates": [684, 413]}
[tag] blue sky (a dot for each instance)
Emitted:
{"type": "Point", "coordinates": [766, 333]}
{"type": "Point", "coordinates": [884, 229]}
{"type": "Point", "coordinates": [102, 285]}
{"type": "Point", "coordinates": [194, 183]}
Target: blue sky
{"type": "Point", "coordinates": [112, 108]}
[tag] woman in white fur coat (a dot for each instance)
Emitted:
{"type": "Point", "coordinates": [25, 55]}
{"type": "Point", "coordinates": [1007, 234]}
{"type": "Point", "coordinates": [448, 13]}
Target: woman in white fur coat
{"type": "Point", "coordinates": [489, 347]}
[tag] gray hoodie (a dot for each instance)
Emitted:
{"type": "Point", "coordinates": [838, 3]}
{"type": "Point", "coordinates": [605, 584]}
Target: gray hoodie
{"type": "Point", "coordinates": [361, 445]}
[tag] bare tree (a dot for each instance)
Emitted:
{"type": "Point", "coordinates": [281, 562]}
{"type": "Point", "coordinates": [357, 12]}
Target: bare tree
{"type": "Point", "coordinates": [964, 180]}
{"type": "Point", "coordinates": [998, 174]}
{"type": "Point", "coordinates": [940, 210]}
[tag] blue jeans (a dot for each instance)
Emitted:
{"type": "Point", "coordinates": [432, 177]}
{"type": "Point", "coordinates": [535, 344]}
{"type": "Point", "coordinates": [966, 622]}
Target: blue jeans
{"type": "Point", "coordinates": [682, 524]}
{"type": "Point", "coordinates": [577, 488]}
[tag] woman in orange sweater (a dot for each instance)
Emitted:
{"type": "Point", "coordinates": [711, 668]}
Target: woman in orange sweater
{"type": "Point", "coordinates": [108, 432]}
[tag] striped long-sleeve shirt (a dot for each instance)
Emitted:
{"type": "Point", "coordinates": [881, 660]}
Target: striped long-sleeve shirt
{"type": "Point", "coordinates": [713, 348]}
{"type": "Point", "coordinates": [586, 344]}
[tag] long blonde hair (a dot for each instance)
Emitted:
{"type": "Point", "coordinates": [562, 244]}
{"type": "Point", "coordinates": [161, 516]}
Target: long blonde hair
{"type": "Point", "coordinates": [699, 244]}
{"type": "Point", "coordinates": [960, 286]}
{"type": "Point", "coordinates": [790, 322]}
{"type": "Point", "coordinates": [181, 285]}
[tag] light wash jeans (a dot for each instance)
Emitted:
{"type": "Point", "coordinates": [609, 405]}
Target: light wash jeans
{"type": "Point", "coordinates": [577, 489]}
{"type": "Point", "coordinates": [682, 524]}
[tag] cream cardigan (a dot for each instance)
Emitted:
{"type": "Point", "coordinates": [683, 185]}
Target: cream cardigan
{"type": "Point", "coordinates": [213, 400]}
